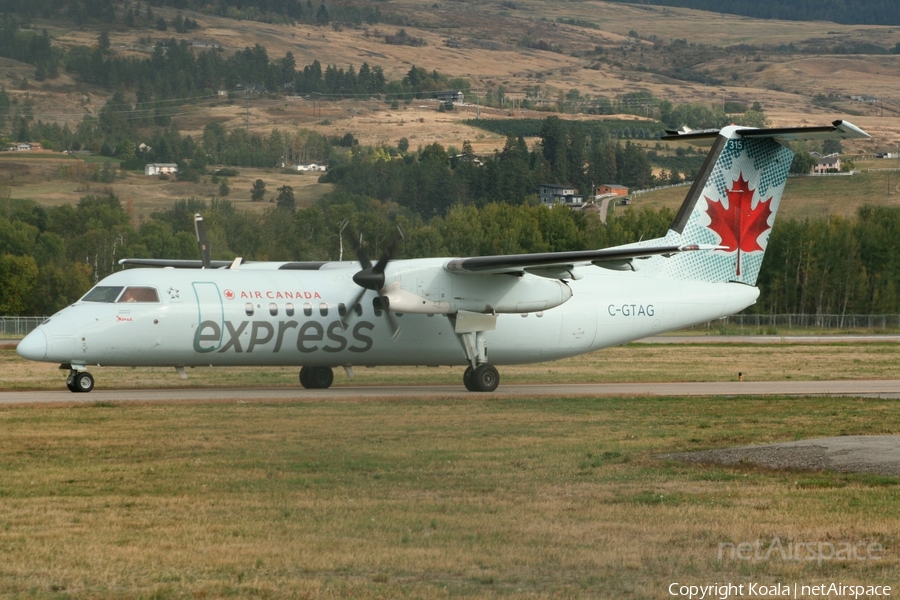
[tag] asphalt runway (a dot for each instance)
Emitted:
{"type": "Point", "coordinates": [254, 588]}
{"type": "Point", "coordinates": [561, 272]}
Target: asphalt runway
{"type": "Point", "coordinates": [862, 388]}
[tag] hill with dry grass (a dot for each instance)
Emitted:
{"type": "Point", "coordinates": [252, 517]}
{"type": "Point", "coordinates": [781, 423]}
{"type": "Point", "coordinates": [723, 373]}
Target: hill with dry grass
{"type": "Point", "coordinates": [528, 48]}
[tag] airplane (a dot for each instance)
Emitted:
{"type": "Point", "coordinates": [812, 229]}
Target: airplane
{"type": "Point", "coordinates": [476, 312]}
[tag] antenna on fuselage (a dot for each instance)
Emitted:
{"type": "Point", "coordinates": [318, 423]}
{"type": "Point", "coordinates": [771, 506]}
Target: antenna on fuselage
{"type": "Point", "coordinates": [202, 242]}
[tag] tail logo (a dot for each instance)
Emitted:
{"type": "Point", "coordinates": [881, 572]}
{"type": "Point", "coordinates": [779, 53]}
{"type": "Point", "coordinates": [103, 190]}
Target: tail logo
{"type": "Point", "coordinates": [739, 225]}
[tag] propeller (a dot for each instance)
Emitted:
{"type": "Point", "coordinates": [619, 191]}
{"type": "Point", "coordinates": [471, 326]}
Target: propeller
{"type": "Point", "coordinates": [371, 277]}
{"type": "Point", "coordinates": [202, 242]}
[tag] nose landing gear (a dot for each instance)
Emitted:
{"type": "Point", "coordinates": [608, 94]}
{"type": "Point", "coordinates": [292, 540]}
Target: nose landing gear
{"type": "Point", "coordinates": [80, 381]}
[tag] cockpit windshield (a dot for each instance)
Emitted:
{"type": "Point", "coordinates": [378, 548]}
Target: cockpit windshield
{"type": "Point", "coordinates": [103, 293]}
{"type": "Point", "coordinates": [136, 293]}
{"type": "Point", "coordinates": [114, 293]}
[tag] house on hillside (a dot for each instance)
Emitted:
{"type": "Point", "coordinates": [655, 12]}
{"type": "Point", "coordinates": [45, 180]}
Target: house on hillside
{"type": "Point", "coordinates": [160, 168]}
{"type": "Point", "coordinates": [612, 189]}
{"type": "Point", "coordinates": [827, 164]}
{"type": "Point", "coordinates": [455, 96]}
{"type": "Point", "coordinates": [310, 167]}
{"type": "Point", "coordinates": [23, 147]}
{"type": "Point", "coordinates": [552, 193]}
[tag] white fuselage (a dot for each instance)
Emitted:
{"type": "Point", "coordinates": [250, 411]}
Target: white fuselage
{"type": "Point", "coordinates": [253, 316]}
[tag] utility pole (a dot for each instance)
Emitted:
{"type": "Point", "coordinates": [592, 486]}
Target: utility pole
{"type": "Point", "coordinates": [247, 99]}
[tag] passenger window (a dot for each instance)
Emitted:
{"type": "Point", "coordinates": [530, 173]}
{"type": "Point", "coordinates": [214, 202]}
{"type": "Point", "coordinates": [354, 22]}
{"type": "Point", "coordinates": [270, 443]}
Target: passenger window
{"type": "Point", "coordinates": [323, 309]}
{"type": "Point", "coordinates": [273, 309]}
{"type": "Point", "coordinates": [103, 293]}
{"type": "Point", "coordinates": [307, 309]}
{"type": "Point", "coordinates": [248, 308]}
{"type": "Point", "coordinates": [342, 309]}
{"type": "Point", "coordinates": [358, 310]}
{"type": "Point", "coordinates": [139, 294]}
{"type": "Point", "coordinates": [289, 309]}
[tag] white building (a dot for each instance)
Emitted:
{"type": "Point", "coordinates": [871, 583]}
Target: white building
{"type": "Point", "coordinates": [160, 168]}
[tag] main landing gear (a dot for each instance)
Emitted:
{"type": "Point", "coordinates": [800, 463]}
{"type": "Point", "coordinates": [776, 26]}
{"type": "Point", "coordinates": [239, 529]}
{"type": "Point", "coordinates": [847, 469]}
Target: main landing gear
{"type": "Point", "coordinates": [80, 381]}
{"type": "Point", "coordinates": [480, 376]}
{"type": "Point", "coordinates": [483, 378]}
{"type": "Point", "coordinates": [316, 378]}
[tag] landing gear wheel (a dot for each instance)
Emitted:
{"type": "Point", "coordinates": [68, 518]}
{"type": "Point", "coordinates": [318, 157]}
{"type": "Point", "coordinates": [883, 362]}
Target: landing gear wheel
{"type": "Point", "coordinates": [316, 378]}
{"type": "Point", "coordinates": [82, 382]}
{"type": "Point", "coordinates": [468, 379]}
{"type": "Point", "coordinates": [485, 378]}
{"type": "Point", "coordinates": [304, 377]}
{"type": "Point", "coordinates": [70, 383]}
{"type": "Point", "coordinates": [321, 377]}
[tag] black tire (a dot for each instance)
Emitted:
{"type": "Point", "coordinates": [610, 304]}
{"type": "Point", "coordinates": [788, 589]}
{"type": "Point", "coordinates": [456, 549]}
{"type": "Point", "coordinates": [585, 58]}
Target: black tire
{"type": "Point", "coordinates": [304, 377]}
{"type": "Point", "coordinates": [321, 377]}
{"type": "Point", "coordinates": [84, 382]}
{"type": "Point", "coordinates": [70, 383]}
{"type": "Point", "coordinates": [486, 378]}
{"type": "Point", "coordinates": [468, 379]}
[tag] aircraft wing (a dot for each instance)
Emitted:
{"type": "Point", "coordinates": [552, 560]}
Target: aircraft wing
{"type": "Point", "coordinates": [174, 263]}
{"type": "Point", "coordinates": [559, 265]}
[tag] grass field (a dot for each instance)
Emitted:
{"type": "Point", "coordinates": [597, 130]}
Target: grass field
{"type": "Point", "coordinates": [488, 496]}
{"type": "Point", "coordinates": [44, 185]}
{"type": "Point", "coordinates": [809, 197]}
{"type": "Point", "coordinates": [481, 497]}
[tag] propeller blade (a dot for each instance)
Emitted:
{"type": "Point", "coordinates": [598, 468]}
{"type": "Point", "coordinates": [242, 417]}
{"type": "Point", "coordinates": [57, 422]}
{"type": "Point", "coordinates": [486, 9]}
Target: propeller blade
{"type": "Point", "coordinates": [351, 309]}
{"type": "Point", "coordinates": [202, 242]}
{"type": "Point", "coordinates": [361, 254]}
{"type": "Point", "coordinates": [392, 321]}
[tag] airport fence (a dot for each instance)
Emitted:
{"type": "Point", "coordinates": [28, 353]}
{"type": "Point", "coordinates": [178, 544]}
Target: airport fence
{"type": "Point", "coordinates": [758, 322]}
{"type": "Point", "coordinates": [16, 327]}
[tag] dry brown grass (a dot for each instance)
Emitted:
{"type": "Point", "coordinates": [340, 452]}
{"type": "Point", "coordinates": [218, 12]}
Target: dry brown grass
{"type": "Point", "coordinates": [41, 181]}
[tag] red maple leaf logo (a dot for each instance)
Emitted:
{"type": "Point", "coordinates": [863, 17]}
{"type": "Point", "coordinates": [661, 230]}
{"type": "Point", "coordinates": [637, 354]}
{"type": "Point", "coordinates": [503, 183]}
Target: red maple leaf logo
{"type": "Point", "coordinates": [229, 295]}
{"type": "Point", "coordinates": [739, 225]}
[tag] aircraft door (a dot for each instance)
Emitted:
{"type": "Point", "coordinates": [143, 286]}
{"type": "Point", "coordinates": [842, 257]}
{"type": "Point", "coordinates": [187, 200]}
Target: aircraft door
{"type": "Point", "coordinates": [211, 314]}
{"type": "Point", "coordinates": [579, 323]}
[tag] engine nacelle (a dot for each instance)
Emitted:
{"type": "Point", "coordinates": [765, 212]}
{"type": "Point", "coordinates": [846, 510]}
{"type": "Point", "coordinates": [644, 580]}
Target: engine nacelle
{"type": "Point", "coordinates": [434, 290]}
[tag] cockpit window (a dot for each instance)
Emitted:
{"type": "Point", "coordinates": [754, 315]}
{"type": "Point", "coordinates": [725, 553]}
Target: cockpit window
{"type": "Point", "coordinates": [136, 293]}
{"type": "Point", "coordinates": [103, 293]}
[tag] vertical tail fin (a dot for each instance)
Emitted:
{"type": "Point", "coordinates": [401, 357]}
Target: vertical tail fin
{"type": "Point", "coordinates": [734, 199]}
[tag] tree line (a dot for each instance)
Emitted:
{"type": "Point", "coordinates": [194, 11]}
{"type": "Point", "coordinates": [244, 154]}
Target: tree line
{"type": "Point", "coordinates": [270, 11]}
{"type": "Point", "coordinates": [433, 179]}
{"type": "Point", "coordinates": [52, 255]}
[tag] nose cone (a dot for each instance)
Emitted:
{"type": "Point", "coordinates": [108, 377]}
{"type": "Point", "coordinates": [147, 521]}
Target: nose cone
{"type": "Point", "coordinates": [34, 346]}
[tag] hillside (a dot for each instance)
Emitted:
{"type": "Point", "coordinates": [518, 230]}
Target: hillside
{"type": "Point", "coordinates": [597, 50]}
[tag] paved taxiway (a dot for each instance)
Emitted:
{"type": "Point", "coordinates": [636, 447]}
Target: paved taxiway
{"type": "Point", "coordinates": [865, 388]}
{"type": "Point", "coordinates": [851, 453]}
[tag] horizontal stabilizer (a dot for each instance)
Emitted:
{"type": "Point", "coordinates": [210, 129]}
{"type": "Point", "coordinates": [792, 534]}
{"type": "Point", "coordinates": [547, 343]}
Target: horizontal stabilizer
{"type": "Point", "coordinates": [839, 130]}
